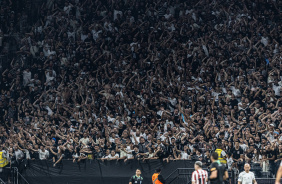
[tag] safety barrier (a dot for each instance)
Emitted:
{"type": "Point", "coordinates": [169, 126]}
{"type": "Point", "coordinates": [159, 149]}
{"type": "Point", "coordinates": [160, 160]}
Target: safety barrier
{"type": "Point", "coordinates": [266, 180]}
{"type": "Point", "coordinates": [118, 172]}
{"type": "Point", "coordinates": [42, 171]}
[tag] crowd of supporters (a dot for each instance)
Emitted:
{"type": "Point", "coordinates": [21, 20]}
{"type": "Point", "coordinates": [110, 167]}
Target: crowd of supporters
{"type": "Point", "coordinates": [145, 79]}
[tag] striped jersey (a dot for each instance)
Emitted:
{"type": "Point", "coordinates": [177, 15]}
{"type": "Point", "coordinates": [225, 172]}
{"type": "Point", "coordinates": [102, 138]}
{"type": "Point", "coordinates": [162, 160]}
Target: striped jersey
{"type": "Point", "coordinates": [199, 176]}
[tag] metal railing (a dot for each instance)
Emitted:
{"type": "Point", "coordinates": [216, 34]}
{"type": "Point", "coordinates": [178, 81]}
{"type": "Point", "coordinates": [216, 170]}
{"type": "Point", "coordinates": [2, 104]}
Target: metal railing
{"type": "Point", "coordinates": [266, 180]}
{"type": "Point", "coordinates": [19, 177]}
{"type": "Point", "coordinates": [12, 175]}
{"type": "Point", "coordinates": [2, 182]}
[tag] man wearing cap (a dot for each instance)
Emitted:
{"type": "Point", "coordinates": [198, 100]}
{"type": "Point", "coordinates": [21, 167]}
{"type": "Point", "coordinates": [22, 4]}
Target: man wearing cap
{"type": "Point", "coordinates": [199, 176]}
{"type": "Point", "coordinates": [157, 178]}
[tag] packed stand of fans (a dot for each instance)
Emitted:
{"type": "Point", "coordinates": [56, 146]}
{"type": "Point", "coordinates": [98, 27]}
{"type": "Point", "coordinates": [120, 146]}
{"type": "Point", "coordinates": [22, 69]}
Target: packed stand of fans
{"type": "Point", "coordinates": [146, 79]}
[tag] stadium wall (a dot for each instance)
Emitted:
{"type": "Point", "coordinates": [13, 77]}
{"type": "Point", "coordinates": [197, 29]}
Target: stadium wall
{"type": "Point", "coordinates": [42, 172]}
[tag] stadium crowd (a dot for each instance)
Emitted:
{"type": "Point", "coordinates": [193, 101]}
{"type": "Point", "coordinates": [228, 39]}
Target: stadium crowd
{"type": "Point", "coordinates": [145, 79]}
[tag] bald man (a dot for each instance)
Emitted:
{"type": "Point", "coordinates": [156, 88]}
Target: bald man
{"type": "Point", "coordinates": [247, 177]}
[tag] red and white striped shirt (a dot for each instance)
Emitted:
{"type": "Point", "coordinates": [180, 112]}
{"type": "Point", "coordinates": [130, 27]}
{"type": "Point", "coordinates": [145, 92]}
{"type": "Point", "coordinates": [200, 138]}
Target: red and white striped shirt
{"type": "Point", "coordinates": [199, 176]}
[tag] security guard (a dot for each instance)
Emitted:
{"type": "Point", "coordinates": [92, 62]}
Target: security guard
{"type": "Point", "coordinates": [157, 178]}
{"type": "Point", "coordinates": [137, 178]}
{"type": "Point", "coordinates": [221, 154]}
{"type": "Point", "coordinates": [3, 159]}
{"type": "Point", "coordinates": [3, 162]}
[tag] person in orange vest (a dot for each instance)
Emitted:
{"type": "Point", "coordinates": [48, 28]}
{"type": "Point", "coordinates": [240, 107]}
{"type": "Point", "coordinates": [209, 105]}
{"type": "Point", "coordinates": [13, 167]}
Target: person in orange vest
{"type": "Point", "coordinates": [157, 178]}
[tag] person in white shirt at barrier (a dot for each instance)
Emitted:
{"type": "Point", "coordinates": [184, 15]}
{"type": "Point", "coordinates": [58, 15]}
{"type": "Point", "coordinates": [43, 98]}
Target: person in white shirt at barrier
{"type": "Point", "coordinates": [247, 177]}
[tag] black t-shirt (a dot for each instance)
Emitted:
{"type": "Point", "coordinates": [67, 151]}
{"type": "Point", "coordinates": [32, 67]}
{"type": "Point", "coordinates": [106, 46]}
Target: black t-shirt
{"type": "Point", "coordinates": [279, 154]}
{"type": "Point", "coordinates": [222, 169]}
{"type": "Point", "coordinates": [236, 153]}
{"type": "Point", "coordinates": [170, 149]}
{"type": "Point", "coordinates": [13, 160]}
{"type": "Point", "coordinates": [220, 172]}
{"type": "Point", "coordinates": [161, 154]}
{"type": "Point", "coordinates": [207, 161]}
{"type": "Point", "coordinates": [240, 165]}
{"type": "Point", "coordinates": [68, 154]}
{"type": "Point", "coordinates": [270, 154]}
{"type": "Point", "coordinates": [215, 167]}
{"type": "Point", "coordinates": [234, 102]}
{"type": "Point", "coordinates": [136, 180]}
{"type": "Point", "coordinates": [2, 112]}
{"type": "Point", "coordinates": [97, 155]}
{"type": "Point", "coordinates": [120, 130]}
{"type": "Point", "coordinates": [51, 155]}
{"type": "Point", "coordinates": [250, 155]}
{"type": "Point", "coordinates": [135, 154]}
{"type": "Point", "coordinates": [34, 155]}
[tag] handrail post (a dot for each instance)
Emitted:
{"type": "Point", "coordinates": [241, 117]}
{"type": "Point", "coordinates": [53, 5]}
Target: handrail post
{"type": "Point", "coordinates": [14, 175]}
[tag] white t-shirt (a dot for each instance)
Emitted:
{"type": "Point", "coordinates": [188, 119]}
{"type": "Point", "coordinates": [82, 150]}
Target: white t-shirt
{"type": "Point", "coordinates": [110, 156]}
{"type": "Point", "coordinates": [229, 162]}
{"type": "Point", "coordinates": [95, 34]}
{"type": "Point", "coordinates": [167, 16]}
{"type": "Point", "coordinates": [184, 156]}
{"type": "Point", "coordinates": [27, 155]}
{"type": "Point", "coordinates": [276, 89]}
{"type": "Point", "coordinates": [71, 34]}
{"type": "Point", "coordinates": [5, 154]}
{"type": "Point", "coordinates": [76, 155]}
{"type": "Point", "coordinates": [26, 77]}
{"type": "Point", "coordinates": [84, 140]}
{"type": "Point", "coordinates": [117, 12]}
{"type": "Point", "coordinates": [19, 154]}
{"type": "Point", "coordinates": [244, 147]}
{"type": "Point", "coordinates": [111, 139]}
{"type": "Point", "coordinates": [129, 154]}
{"type": "Point", "coordinates": [160, 112]}
{"type": "Point", "coordinates": [50, 78]}
{"type": "Point", "coordinates": [223, 154]}
{"type": "Point", "coordinates": [246, 178]}
{"type": "Point", "coordinates": [43, 155]}
{"type": "Point", "coordinates": [123, 154]}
